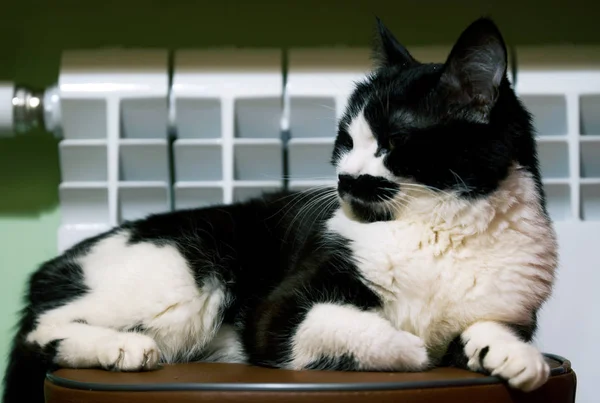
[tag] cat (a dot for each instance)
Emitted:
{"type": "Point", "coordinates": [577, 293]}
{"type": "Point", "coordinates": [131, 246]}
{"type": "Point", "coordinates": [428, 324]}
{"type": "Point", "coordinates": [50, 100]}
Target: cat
{"type": "Point", "coordinates": [435, 248]}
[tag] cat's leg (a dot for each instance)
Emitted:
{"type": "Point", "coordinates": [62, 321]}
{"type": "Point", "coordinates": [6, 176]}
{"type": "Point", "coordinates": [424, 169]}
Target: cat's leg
{"type": "Point", "coordinates": [344, 337]}
{"type": "Point", "coordinates": [79, 345]}
{"type": "Point", "coordinates": [325, 317]}
{"type": "Point", "coordinates": [496, 349]}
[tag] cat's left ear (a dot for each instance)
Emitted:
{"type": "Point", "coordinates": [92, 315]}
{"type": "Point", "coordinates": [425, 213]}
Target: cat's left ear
{"type": "Point", "coordinates": [476, 66]}
{"type": "Point", "coordinates": [388, 51]}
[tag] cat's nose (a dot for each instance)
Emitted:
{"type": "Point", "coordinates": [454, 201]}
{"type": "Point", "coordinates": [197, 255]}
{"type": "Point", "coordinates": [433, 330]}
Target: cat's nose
{"type": "Point", "coordinates": [345, 182]}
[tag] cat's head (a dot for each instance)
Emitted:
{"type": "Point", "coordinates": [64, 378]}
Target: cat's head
{"type": "Point", "coordinates": [416, 129]}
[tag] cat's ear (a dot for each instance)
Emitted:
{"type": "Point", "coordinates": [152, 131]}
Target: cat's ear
{"type": "Point", "coordinates": [476, 66]}
{"type": "Point", "coordinates": [388, 51]}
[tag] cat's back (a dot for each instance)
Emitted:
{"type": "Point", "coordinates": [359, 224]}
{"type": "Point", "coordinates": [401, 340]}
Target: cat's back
{"type": "Point", "coordinates": [184, 249]}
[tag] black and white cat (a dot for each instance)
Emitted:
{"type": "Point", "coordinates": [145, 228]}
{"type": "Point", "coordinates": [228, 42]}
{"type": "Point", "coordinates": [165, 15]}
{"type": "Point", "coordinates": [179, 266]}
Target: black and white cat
{"type": "Point", "coordinates": [435, 249]}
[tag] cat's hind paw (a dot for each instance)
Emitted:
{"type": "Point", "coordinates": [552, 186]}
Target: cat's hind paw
{"type": "Point", "coordinates": [129, 352]}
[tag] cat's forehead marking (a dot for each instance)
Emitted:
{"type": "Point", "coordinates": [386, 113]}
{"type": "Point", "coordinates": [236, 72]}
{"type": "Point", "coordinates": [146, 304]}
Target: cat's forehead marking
{"type": "Point", "coordinates": [362, 159]}
{"type": "Point", "coordinates": [360, 131]}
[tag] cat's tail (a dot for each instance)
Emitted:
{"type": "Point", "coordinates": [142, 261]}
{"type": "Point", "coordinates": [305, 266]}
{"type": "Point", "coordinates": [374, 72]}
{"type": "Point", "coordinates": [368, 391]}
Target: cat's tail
{"type": "Point", "coordinates": [27, 366]}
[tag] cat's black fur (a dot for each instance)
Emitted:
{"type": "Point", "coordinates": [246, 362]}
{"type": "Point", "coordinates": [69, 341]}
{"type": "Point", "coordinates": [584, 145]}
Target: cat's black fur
{"type": "Point", "coordinates": [257, 255]}
{"type": "Point", "coordinates": [252, 250]}
{"type": "Point", "coordinates": [274, 254]}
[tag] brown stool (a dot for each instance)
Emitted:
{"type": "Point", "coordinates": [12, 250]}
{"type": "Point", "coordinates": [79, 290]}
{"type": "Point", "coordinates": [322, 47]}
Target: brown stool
{"type": "Point", "coordinates": [205, 382]}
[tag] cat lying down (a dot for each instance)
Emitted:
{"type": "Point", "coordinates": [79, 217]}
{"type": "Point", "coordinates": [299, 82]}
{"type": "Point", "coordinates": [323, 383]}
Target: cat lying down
{"type": "Point", "coordinates": [435, 248]}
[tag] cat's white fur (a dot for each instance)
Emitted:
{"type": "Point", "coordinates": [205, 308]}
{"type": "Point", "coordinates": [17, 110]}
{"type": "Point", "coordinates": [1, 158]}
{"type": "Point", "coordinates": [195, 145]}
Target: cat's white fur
{"type": "Point", "coordinates": [331, 330]}
{"type": "Point", "coordinates": [447, 266]}
{"type": "Point", "coordinates": [443, 267]}
{"type": "Point", "coordinates": [134, 284]}
{"type": "Point", "coordinates": [362, 159]}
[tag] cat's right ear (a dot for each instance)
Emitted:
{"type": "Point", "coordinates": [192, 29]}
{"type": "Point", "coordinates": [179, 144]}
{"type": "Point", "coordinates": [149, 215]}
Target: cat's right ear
{"type": "Point", "coordinates": [388, 51]}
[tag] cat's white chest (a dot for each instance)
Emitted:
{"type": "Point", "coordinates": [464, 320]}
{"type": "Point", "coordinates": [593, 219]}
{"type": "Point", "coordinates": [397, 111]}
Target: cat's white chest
{"type": "Point", "coordinates": [406, 264]}
{"type": "Point", "coordinates": [434, 283]}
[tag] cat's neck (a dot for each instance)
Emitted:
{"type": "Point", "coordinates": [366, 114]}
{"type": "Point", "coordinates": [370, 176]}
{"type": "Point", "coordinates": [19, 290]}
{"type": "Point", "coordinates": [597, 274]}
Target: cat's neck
{"type": "Point", "coordinates": [516, 199]}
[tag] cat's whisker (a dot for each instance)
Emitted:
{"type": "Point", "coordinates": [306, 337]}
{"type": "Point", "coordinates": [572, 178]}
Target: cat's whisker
{"type": "Point", "coordinates": [431, 191]}
{"type": "Point", "coordinates": [325, 107]}
{"type": "Point", "coordinates": [385, 202]}
{"type": "Point", "coordinates": [400, 204]}
{"type": "Point", "coordinates": [457, 176]}
{"type": "Point", "coordinates": [402, 195]}
{"type": "Point", "coordinates": [325, 195]}
{"type": "Point", "coordinates": [386, 206]}
{"type": "Point", "coordinates": [419, 185]}
{"type": "Point", "coordinates": [308, 190]}
{"type": "Point", "coordinates": [299, 197]}
{"type": "Point", "coordinates": [306, 209]}
{"type": "Point", "coordinates": [296, 197]}
{"type": "Point", "coordinates": [441, 197]}
{"type": "Point", "coordinates": [327, 207]}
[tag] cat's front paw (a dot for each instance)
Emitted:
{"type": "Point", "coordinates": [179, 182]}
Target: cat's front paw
{"type": "Point", "coordinates": [410, 352]}
{"type": "Point", "coordinates": [521, 364]}
{"type": "Point", "coordinates": [128, 352]}
{"type": "Point", "coordinates": [394, 351]}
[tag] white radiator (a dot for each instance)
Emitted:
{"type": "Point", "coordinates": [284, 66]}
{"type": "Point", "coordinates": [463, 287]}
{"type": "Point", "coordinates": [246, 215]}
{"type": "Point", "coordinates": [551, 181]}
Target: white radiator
{"type": "Point", "coordinates": [148, 131]}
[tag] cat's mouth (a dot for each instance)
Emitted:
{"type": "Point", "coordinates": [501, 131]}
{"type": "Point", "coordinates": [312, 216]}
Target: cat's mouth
{"type": "Point", "coordinates": [368, 198]}
{"type": "Point", "coordinates": [366, 189]}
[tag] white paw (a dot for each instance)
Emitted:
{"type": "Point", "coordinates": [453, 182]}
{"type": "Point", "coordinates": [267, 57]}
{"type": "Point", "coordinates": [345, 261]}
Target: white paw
{"type": "Point", "coordinates": [403, 352]}
{"type": "Point", "coordinates": [128, 352]}
{"type": "Point", "coordinates": [521, 364]}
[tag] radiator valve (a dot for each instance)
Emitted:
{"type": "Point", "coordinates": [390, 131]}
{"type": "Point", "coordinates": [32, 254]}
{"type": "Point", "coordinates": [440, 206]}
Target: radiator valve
{"type": "Point", "coordinates": [24, 109]}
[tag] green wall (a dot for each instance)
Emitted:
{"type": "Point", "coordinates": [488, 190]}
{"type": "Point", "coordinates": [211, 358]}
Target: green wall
{"type": "Point", "coordinates": [33, 34]}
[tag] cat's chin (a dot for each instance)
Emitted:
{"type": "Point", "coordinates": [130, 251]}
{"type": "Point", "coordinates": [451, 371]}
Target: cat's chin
{"type": "Point", "coordinates": [362, 211]}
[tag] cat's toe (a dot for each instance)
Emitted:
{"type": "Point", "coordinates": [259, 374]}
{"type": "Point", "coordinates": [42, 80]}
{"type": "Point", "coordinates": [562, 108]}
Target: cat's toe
{"type": "Point", "coordinates": [129, 352]}
{"type": "Point", "coordinates": [521, 364]}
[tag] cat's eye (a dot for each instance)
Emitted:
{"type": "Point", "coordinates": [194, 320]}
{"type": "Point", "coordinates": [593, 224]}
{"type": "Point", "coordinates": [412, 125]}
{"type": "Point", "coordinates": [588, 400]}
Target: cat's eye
{"type": "Point", "coordinates": [393, 142]}
{"type": "Point", "coordinates": [396, 140]}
